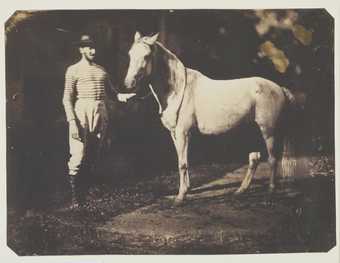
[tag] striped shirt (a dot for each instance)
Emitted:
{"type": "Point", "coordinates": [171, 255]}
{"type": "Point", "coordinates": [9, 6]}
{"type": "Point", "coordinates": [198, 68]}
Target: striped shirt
{"type": "Point", "coordinates": [85, 81]}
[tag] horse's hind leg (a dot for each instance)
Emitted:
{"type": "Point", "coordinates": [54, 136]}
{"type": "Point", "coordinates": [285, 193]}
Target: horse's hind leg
{"type": "Point", "coordinates": [181, 141]}
{"type": "Point", "coordinates": [272, 160]}
{"type": "Point", "coordinates": [254, 159]}
{"type": "Point", "coordinates": [269, 138]}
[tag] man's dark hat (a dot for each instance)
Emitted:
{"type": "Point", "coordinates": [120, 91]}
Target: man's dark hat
{"type": "Point", "coordinates": [85, 40]}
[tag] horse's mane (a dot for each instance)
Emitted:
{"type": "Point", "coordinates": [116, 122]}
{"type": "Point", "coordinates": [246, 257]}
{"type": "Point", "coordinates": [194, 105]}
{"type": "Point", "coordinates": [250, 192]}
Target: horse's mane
{"type": "Point", "coordinates": [167, 51]}
{"type": "Point", "coordinates": [169, 64]}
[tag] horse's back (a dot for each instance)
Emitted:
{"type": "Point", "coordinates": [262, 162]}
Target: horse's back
{"type": "Point", "coordinates": [220, 105]}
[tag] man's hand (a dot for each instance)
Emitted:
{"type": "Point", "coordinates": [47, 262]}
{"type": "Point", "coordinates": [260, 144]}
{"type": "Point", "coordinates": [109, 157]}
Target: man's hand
{"type": "Point", "coordinates": [74, 130]}
{"type": "Point", "coordinates": [123, 97]}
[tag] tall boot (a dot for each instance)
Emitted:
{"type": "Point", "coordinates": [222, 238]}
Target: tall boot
{"type": "Point", "coordinates": [74, 195]}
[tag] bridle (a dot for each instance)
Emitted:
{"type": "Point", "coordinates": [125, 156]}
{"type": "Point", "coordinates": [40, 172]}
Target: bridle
{"type": "Point", "coordinates": [149, 94]}
{"type": "Point", "coordinates": [151, 90]}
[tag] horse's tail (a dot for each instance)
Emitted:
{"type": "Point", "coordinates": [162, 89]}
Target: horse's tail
{"type": "Point", "coordinates": [290, 130]}
{"type": "Point", "coordinates": [290, 98]}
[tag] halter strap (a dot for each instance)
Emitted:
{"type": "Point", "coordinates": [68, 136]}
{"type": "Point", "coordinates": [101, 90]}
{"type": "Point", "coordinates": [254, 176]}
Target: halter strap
{"type": "Point", "coordinates": [160, 108]}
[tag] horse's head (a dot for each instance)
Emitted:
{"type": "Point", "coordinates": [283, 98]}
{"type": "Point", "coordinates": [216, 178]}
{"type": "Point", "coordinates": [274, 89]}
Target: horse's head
{"type": "Point", "coordinates": [140, 65]}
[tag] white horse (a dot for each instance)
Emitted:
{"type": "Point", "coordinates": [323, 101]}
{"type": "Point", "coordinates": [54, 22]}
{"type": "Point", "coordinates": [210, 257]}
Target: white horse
{"type": "Point", "coordinates": [188, 99]}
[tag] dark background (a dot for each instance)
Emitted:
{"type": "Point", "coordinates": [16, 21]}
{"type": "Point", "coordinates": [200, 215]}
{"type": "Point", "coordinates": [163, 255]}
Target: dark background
{"type": "Point", "coordinates": [222, 44]}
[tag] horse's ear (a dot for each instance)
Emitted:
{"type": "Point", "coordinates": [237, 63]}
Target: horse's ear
{"type": "Point", "coordinates": [151, 40]}
{"type": "Point", "coordinates": [138, 36]}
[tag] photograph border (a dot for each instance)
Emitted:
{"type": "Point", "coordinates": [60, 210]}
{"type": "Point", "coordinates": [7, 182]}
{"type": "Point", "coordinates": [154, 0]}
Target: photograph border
{"type": "Point", "coordinates": [8, 9]}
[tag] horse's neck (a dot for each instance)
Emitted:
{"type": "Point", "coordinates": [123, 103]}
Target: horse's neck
{"type": "Point", "coordinates": [166, 71]}
{"type": "Point", "coordinates": [159, 72]}
{"type": "Point", "coordinates": [168, 78]}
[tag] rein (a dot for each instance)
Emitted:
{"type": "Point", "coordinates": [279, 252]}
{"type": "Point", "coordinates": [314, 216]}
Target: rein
{"type": "Point", "coordinates": [144, 97]}
{"type": "Point", "coordinates": [160, 108]}
{"type": "Point", "coordinates": [154, 94]}
{"type": "Point", "coordinates": [151, 93]}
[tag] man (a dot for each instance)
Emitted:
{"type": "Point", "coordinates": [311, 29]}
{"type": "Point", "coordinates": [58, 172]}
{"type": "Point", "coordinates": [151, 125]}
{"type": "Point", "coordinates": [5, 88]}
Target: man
{"type": "Point", "coordinates": [85, 95]}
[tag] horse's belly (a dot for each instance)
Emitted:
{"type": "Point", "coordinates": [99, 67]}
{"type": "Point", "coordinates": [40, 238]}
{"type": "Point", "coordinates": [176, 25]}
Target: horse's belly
{"type": "Point", "coordinates": [219, 121]}
{"type": "Point", "coordinates": [219, 112]}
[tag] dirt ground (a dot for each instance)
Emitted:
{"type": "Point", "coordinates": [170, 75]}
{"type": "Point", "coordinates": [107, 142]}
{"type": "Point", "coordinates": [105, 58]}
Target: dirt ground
{"type": "Point", "coordinates": [130, 215]}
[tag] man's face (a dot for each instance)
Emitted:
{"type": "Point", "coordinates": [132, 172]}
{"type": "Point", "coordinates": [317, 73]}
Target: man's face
{"type": "Point", "coordinates": [88, 52]}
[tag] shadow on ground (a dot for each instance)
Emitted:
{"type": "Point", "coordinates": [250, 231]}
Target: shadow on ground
{"type": "Point", "coordinates": [138, 217]}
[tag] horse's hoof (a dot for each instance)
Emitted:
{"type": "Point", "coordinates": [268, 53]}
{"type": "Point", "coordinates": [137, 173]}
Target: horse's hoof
{"type": "Point", "coordinates": [271, 189]}
{"type": "Point", "coordinates": [178, 201]}
{"type": "Point", "coordinates": [239, 191]}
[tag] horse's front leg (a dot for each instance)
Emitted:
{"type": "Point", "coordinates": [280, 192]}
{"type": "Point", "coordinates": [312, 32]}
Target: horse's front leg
{"type": "Point", "coordinates": [181, 141]}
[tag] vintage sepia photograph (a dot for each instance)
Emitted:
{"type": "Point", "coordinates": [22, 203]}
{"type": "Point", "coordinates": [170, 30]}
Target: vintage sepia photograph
{"type": "Point", "coordinates": [170, 131]}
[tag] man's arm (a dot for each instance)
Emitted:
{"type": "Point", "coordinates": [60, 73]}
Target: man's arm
{"type": "Point", "coordinates": [112, 89]}
{"type": "Point", "coordinates": [69, 93]}
{"type": "Point", "coordinates": [122, 97]}
{"type": "Point", "coordinates": [68, 100]}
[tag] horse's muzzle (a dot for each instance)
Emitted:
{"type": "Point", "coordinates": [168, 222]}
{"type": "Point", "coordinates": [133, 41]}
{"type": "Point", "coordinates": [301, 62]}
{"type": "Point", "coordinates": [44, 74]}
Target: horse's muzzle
{"type": "Point", "coordinates": [130, 84]}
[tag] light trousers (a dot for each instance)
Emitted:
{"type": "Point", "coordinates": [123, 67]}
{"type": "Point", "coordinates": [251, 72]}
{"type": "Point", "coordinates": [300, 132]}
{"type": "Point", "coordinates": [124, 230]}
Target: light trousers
{"type": "Point", "coordinates": [92, 118]}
